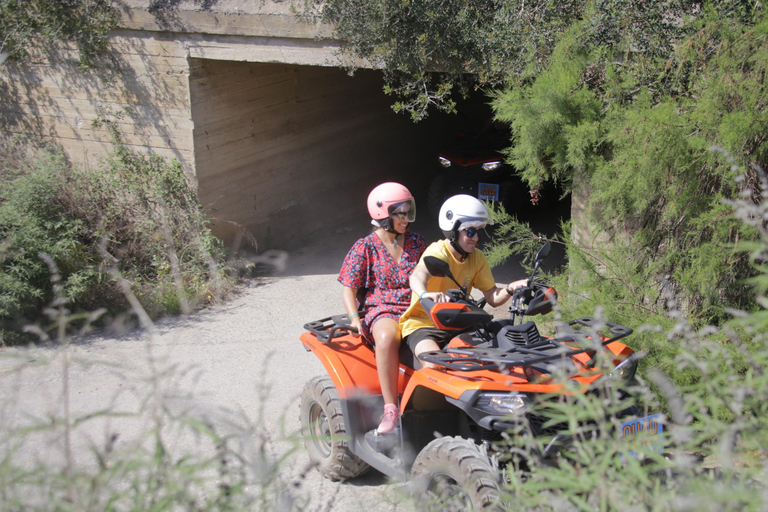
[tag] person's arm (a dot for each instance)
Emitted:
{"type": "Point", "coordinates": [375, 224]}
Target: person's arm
{"type": "Point", "coordinates": [497, 295]}
{"type": "Point", "coordinates": [349, 297]}
{"type": "Point", "coordinates": [418, 281]}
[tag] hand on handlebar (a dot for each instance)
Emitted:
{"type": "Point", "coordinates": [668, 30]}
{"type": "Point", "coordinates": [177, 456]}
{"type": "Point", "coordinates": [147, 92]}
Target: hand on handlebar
{"type": "Point", "coordinates": [436, 296]}
{"type": "Point", "coordinates": [516, 284]}
{"type": "Point", "coordinates": [355, 322]}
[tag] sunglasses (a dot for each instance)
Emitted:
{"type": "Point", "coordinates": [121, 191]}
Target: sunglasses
{"type": "Point", "coordinates": [471, 232]}
{"type": "Point", "coordinates": [401, 215]}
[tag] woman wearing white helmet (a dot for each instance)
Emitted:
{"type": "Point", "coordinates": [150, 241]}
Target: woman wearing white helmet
{"type": "Point", "coordinates": [381, 263]}
{"type": "Point", "coordinates": [461, 219]}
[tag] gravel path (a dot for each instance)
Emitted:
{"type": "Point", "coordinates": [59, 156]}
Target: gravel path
{"type": "Point", "coordinates": [239, 359]}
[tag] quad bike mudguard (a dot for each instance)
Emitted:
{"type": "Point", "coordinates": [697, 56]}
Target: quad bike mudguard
{"type": "Point", "coordinates": [349, 360]}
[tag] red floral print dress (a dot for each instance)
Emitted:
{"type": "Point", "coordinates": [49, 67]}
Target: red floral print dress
{"type": "Point", "coordinates": [370, 265]}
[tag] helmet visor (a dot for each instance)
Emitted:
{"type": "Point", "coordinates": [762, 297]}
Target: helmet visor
{"type": "Point", "coordinates": [474, 223]}
{"type": "Point", "coordinates": [404, 210]}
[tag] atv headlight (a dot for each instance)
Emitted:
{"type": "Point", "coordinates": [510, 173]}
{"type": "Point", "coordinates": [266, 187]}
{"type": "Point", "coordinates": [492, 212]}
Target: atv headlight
{"type": "Point", "coordinates": [625, 370]}
{"type": "Point", "coordinates": [445, 162]}
{"type": "Point", "coordinates": [491, 166]}
{"type": "Point", "coordinates": [502, 403]}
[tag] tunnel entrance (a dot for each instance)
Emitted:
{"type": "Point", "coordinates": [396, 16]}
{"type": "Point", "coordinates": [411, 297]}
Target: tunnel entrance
{"type": "Point", "coordinates": [286, 152]}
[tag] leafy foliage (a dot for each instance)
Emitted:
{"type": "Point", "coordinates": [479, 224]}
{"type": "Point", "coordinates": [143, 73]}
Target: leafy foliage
{"type": "Point", "coordinates": [638, 132]}
{"type": "Point", "coordinates": [712, 391]}
{"type": "Point", "coordinates": [511, 236]}
{"type": "Point", "coordinates": [430, 50]}
{"type": "Point", "coordinates": [32, 221]}
{"type": "Point", "coordinates": [134, 213]}
{"type": "Point", "coordinates": [40, 24]}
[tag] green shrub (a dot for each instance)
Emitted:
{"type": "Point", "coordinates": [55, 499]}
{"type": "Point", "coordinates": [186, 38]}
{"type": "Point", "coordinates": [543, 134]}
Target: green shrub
{"type": "Point", "coordinates": [34, 220]}
{"type": "Point", "coordinates": [709, 382]}
{"type": "Point", "coordinates": [635, 130]}
{"type": "Point", "coordinates": [134, 214]}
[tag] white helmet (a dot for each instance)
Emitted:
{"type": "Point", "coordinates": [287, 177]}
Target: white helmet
{"type": "Point", "coordinates": [461, 212]}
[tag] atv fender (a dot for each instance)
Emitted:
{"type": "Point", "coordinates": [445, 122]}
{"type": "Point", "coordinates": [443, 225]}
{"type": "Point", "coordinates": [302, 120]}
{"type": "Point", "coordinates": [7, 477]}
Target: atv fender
{"type": "Point", "coordinates": [350, 364]}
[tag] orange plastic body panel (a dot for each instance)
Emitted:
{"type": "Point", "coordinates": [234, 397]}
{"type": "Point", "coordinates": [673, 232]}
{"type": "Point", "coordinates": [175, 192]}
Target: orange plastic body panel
{"type": "Point", "coordinates": [351, 364]}
{"type": "Point", "coordinates": [440, 306]}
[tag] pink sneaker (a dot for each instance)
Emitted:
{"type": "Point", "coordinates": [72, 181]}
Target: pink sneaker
{"type": "Point", "coordinates": [389, 419]}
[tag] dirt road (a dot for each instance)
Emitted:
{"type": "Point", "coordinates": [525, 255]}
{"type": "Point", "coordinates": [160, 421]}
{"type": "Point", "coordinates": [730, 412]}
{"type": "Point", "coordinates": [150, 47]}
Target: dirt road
{"type": "Point", "coordinates": [241, 358]}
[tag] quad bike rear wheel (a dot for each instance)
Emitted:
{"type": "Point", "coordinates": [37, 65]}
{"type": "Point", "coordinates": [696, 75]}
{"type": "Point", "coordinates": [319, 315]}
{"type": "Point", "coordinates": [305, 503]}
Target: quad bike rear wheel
{"type": "Point", "coordinates": [324, 433]}
{"type": "Point", "coordinates": [453, 474]}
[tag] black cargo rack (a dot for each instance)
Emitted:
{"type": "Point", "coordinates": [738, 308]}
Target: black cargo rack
{"type": "Point", "coordinates": [331, 327]}
{"type": "Point", "coordinates": [469, 359]}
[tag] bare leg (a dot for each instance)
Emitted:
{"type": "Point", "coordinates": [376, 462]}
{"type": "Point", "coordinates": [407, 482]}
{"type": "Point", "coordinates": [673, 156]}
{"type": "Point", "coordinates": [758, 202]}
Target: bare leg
{"type": "Point", "coordinates": [426, 345]}
{"type": "Point", "coordinates": [386, 333]}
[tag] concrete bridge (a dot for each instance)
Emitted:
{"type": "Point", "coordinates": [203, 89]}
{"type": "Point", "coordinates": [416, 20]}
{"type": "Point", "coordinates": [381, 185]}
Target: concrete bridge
{"type": "Point", "coordinates": [281, 141]}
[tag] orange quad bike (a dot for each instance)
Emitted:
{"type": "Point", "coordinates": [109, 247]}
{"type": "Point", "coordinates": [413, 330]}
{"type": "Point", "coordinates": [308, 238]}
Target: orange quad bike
{"type": "Point", "coordinates": [481, 386]}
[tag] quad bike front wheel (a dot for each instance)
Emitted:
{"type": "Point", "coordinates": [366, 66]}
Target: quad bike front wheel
{"type": "Point", "coordinates": [322, 427]}
{"type": "Point", "coordinates": [453, 474]}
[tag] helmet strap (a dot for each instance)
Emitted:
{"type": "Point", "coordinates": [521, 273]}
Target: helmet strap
{"type": "Point", "coordinates": [455, 241]}
{"type": "Point", "coordinates": [386, 224]}
{"type": "Point", "coordinates": [458, 248]}
{"type": "Point", "coordinates": [390, 229]}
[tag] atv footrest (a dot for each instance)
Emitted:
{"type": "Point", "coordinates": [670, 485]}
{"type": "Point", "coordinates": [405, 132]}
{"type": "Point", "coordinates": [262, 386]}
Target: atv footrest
{"type": "Point", "coordinates": [384, 443]}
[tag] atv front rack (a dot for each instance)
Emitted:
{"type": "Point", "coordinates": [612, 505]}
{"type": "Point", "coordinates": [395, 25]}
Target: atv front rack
{"type": "Point", "coordinates": [533, 355]}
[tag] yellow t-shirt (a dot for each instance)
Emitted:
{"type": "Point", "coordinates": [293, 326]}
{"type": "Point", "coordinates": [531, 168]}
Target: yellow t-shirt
{"type": "Point", "coordinates": [472, 272]}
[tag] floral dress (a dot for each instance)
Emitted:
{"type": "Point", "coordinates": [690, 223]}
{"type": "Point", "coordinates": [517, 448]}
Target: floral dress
{"type": "Point", "coordinates": [370, 265]}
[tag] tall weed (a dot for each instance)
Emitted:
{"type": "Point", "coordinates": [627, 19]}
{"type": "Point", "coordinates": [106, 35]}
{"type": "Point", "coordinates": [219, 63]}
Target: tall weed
{"type": "Point", "coordinates": [153, 445]}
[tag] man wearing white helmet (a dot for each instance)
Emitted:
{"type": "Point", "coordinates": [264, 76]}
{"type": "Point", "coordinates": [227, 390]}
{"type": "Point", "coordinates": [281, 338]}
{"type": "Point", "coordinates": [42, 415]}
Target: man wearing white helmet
{"type": "Point", "coordinates": [461, 219]}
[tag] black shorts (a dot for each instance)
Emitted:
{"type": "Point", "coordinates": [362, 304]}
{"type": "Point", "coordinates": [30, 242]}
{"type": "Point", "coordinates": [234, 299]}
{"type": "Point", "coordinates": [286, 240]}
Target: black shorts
{"type": "Point", "coordinates": [442, 338]}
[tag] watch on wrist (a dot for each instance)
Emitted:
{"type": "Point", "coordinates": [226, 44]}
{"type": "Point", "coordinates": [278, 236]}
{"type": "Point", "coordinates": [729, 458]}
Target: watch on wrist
{"type": "Point", "coordinates": [506, 289]}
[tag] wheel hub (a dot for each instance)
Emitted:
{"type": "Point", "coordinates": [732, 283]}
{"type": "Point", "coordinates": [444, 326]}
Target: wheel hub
{"type": "Point", "coordinates": [320, 430]}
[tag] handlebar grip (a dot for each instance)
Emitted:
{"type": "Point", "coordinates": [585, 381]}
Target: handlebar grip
{"type": "Point", "coordinates": [427, 304]}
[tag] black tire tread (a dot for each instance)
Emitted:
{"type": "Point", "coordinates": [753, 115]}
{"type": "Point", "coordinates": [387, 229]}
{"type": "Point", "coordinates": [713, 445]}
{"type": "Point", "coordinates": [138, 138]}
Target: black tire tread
{"type": "Point", "coordinates": [463, 460]}
{"type": "Point", "coordinates": [341, 464]}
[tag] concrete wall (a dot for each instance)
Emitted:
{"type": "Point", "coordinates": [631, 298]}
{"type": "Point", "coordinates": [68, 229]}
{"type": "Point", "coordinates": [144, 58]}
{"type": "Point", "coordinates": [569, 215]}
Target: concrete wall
{"type": "Point", "coordinates": [148, 100]}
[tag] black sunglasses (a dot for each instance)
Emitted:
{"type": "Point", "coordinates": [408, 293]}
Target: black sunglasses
{"type": "Point", "coordinates": [471, 232]}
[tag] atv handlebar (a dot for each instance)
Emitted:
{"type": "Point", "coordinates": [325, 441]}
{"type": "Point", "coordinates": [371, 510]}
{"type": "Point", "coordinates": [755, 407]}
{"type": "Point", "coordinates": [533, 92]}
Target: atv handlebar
{"type": "Point", "coordinates": [536, 299]}
{"type": "Point", "coordinates": [532, 299]}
